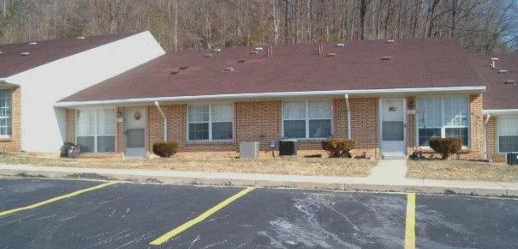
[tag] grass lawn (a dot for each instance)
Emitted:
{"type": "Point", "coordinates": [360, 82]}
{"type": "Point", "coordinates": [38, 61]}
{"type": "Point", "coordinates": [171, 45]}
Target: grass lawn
{"type": "Point", "coordinates": [285, 166]}
{"type": "Point", "coordinates": [462, 170]}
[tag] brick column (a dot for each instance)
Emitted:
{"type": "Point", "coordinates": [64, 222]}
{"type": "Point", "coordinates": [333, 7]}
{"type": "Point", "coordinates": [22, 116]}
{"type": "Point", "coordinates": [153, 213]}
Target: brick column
{"type": "Point", "coordinates": [477, 127]}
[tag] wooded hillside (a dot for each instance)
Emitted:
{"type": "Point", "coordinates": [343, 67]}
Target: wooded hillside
{"type": "Point", "coordinates": [482, 26]}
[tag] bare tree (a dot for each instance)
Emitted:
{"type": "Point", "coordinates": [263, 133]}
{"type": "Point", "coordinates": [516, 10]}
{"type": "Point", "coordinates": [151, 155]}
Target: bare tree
{"type": "Point", "coordinates": [481, 26]}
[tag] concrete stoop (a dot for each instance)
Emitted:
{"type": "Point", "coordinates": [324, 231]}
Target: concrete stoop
{"type": "Point", "coordinates": [371, 184]}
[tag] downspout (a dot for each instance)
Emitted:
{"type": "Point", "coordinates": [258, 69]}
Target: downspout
{"type": "Point", "coordinates": [164, 118]}
{"type": "Point", "coordinates": [348, 116]}
{"type": "Point", "coordinates": [487, 136]}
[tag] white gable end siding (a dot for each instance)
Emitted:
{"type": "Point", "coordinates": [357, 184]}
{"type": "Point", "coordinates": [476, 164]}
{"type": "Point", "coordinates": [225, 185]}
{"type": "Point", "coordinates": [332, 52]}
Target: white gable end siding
{"type": "Point", "coordinates": [43, 126]}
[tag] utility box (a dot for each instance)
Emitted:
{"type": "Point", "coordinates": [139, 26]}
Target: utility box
{"type": "Point", "coordinates": [249, 150]}
{"type": "Point", "coordinates": [512, 158]}
{"type": "Point", "coordinates": [288, 147]}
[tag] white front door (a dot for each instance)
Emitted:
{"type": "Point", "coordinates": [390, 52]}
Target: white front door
{"type": "Point", "coordinates": [135, 131]}
{"type": "Point", "coordinates": [393, 127]}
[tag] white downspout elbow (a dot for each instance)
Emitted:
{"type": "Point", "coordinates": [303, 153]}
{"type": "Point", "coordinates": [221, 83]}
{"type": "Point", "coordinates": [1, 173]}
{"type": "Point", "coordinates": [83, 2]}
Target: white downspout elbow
{"type": "Point", "coordinates": [348, 116]}
{"type": "Point", "coordinates": [164, 119]}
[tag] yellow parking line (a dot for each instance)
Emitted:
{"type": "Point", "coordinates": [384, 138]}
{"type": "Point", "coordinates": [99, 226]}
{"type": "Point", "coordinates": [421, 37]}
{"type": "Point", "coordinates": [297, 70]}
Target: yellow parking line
{"type": "Point", "coordinates": [164, 238]}
{"type": "Point", "coordinates": [58, 198]}
{"type": "Point", "coordinates": [410, 222]}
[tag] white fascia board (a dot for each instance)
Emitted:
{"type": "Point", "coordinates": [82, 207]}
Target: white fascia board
{"type": "Point", "coordinates": [336, 93]}
{"type": "Point", "coordinates": [4, 82]}
{"type": "Point", "coordinates": [500, 112]}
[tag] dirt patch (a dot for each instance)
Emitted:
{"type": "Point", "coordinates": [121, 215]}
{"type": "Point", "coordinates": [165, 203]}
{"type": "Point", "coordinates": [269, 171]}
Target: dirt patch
{"type": "Point", "coordinates": [285, 166]}
{"type": "Point", "coordinates": [462, 170]}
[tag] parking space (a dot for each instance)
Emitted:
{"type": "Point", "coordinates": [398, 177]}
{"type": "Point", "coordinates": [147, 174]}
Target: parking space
{"type": "Point", "coordinates": [466, 222]}
{"type": "Point", "coordinates": [121, 216]}
{"type": "Point", "coordinates": [21, 192]}
{"type": "Point", "coordinates": [297, 219]}
{"type": "Point", "coordinates": [128, 215]}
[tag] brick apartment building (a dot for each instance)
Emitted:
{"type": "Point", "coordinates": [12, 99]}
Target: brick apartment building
{"type": "Point", "coordinates": [389, 96]}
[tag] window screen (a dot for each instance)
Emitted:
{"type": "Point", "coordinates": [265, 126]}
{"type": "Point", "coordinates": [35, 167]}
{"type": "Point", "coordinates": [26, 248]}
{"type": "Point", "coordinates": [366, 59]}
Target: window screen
{"type": "Point", "coordinates": [507, 134]}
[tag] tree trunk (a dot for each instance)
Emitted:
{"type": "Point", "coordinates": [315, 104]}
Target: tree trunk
{"type": "Point", "coordinates": [416, 18]}
{"type": "Point", "coordinates": [363, 12]}
{"type": "Point", "coordinates": [431, 18]}
{"type": "Point", "coordinates": [453, 17]}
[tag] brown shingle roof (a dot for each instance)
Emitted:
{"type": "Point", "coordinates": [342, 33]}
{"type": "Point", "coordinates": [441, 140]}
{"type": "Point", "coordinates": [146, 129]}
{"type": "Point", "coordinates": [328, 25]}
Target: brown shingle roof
{"type": "Point", "coordinates": [12, 61]}
{"type": "Point", "coordinates": [293, 68]}
{"type": "Point", "coordinates": [498, 95]}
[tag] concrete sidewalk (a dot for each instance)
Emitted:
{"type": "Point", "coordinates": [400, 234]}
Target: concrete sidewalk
{"type": "Point", "coordinates": [374, 183]}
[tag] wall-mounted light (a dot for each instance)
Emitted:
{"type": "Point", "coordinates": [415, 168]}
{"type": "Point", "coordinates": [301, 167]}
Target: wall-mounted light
{"type": "Point", "coordinates": [120, 119]}
{"type": "Point", "coordinates": [411, 104]}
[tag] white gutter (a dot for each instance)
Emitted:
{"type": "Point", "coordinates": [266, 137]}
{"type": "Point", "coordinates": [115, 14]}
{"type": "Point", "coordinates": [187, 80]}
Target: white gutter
{"type": "Point", "coordinates": [387, 91]}
{"type": "Point", "coordinates": [500, 111]}
{"type": "Point", "coordinates": [348, 116]}
{"type": "Point", "coordinates": [164, 118]}
{"type": "Point", "coordinates": [485, 132]}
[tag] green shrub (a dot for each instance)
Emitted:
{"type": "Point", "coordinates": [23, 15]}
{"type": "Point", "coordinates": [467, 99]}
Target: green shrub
{"type": "Point", "coordinates": [446, 146]}
{"type": "Point", "coordinates": [339, 147]}
{"type": "Point", "coordinates": [165, 149]}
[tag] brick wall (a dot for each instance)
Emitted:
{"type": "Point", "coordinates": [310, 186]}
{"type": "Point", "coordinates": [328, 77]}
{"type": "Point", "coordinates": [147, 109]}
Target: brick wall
{"type": "Point", "coordinates": [261, 121]}
{"type": "Point", "coordinates": [492, 140]}
{"type": "Point", "coordinates": [364, 124]}
{"type": "Point", "coordinates": [120, 133]}
{"type": "Point", "coordinates": [14, 142]}
{"type": "Point", "coordinates": [258, 122]}
{"type": "Point", "coordinates": [477, 150]}
{"type": "Point", "coordinates": [71, 121]}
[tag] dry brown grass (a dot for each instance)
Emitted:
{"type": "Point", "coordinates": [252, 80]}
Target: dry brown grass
{"type": "Point", "coordinates": [208, 163]}
{"type": "Point", "coordinates": [462, 170]}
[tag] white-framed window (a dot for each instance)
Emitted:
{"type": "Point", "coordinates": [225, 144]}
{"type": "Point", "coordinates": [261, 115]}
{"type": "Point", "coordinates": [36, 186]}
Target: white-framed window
{"type": "Point", "coordinates": [507, 130]}
{"type": "Point", "coordinates": [96, 129]}
{"type": "Point", "coordinates": [442, 117]}
{"type": "Point", "coordinates": [307, 119]}
{"type": "Point", "coordinates": [5, 113]}
{"type": "Point", "coordinates": [210, 122]}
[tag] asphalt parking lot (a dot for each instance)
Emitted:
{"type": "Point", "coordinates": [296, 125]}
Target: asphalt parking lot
{"type": "Point", "coordinates": [127, 215]}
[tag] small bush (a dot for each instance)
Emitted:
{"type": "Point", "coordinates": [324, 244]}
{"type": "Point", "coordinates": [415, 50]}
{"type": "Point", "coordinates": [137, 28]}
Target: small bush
{"type": "Point", "coordinates": [446, 146]}
{"type": "Point", "coordinates": [165, 149]}
{"type": "Point", "coordinates": [339, 147]}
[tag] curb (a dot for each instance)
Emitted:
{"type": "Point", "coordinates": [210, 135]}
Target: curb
{"type": "Point", "coordinates": [346, 184]}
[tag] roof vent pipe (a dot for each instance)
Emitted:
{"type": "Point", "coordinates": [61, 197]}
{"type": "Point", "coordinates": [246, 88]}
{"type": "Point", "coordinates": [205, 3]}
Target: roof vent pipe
{"type": "Point", "coordinates": [228, 69]}
{"type": "Point", "coordinates": [269, 51]}
{"type": "Point", "coordinates": [320, 49]}
{"type": "Point", "coordinates": [493, 62]}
